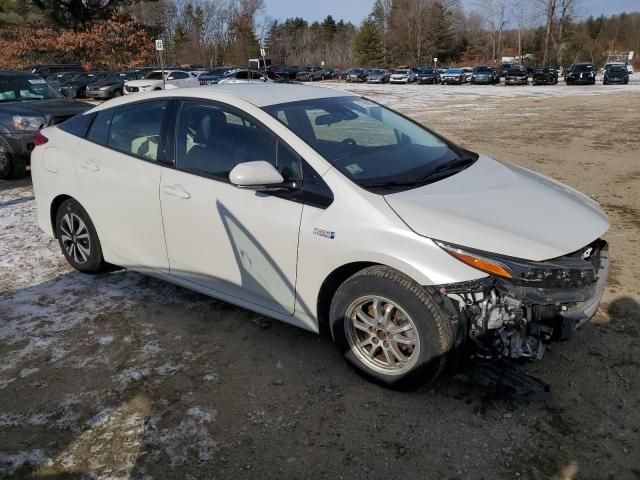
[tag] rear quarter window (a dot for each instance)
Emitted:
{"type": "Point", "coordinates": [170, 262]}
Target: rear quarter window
{"type": "Point", "coordinates": [78, 125]}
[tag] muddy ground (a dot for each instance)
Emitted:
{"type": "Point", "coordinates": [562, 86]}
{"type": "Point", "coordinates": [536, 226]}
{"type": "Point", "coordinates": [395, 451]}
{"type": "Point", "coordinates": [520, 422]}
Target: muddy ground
{"type": "Point", "coordinates": [124, 376]}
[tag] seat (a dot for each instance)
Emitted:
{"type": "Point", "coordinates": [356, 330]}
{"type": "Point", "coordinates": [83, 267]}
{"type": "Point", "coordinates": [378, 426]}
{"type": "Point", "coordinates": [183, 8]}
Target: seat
{"type": "Point", "coordinates": [211, 151]}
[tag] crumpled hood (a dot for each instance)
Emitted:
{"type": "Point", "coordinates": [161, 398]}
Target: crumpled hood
{"type": "Point", "coordinates": [502, 209]}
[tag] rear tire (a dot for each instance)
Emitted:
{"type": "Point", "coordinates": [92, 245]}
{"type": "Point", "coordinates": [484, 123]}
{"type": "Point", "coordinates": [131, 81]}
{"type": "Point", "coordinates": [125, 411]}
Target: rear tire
{"type": "Point", "coordinates": [391, 329]}
{"type": "Point", "coordinates": [78, 238]}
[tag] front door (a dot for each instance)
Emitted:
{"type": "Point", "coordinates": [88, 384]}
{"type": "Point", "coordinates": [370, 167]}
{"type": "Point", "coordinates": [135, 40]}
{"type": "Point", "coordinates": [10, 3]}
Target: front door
{"type": "Point", "coordinates": [235, 241]}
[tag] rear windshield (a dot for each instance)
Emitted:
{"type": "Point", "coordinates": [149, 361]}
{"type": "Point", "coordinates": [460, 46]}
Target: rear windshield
{"type": "Point", "coordinates": [24, 87]}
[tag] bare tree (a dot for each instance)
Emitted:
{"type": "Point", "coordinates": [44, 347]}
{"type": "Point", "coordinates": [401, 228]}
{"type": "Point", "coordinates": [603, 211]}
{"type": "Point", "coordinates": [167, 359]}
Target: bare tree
{"type": "Point", "coordinates": [495, 13]}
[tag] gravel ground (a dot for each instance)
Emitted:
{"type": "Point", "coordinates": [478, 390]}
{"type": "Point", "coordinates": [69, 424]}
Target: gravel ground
{"type": "Point", "coordinates": [122, 376]}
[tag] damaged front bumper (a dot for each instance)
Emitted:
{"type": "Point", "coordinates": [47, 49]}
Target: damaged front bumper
{"type": "Point", "coordinates": [505, 318]}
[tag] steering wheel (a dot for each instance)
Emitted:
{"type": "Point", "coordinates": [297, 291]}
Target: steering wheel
{"type": "Point", "coordinates": [347, 142]}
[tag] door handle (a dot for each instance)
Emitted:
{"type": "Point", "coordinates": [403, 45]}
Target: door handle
{"type": "Point", "coordinates": [176, 191]}
{"type": "Point", "coordinates": [89, 166]}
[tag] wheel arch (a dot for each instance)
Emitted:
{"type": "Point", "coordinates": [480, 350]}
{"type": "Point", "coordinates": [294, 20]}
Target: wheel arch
{"type": "Point", "coordinates": [329, 287]}
{"type": "Point", "coordinates": [53, 210]}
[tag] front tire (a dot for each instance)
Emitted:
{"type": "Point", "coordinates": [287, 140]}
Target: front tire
{"type": "Point", "coordinates": [11, 166]}
{"type": "Point", "coordinates": [391, 329]}
{"type": "Point", "coordinates": [78, 238]}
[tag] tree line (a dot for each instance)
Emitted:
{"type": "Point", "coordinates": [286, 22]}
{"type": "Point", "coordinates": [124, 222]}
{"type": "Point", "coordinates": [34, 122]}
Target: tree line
{"type": "Point", "coordinates": [120, 33]}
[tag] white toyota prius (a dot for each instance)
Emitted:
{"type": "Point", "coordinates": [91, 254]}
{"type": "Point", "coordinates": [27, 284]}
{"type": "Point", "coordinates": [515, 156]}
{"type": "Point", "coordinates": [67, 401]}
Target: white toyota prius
{"type": "Point", "coordinates": [317, 207]}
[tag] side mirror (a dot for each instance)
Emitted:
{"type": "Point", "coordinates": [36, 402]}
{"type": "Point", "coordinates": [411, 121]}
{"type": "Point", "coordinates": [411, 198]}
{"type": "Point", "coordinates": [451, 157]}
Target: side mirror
{"type": "Point", "coordinates": [169, 78]}
{"type": "Point", "coordinates": [258, 175]}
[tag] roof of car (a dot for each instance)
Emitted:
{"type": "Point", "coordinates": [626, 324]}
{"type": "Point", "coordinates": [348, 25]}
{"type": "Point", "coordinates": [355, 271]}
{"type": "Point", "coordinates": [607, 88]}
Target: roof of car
{"type": "Point", "coordinates": [17, 73]}
{"type": "Point", "coordinates": [266, 94]}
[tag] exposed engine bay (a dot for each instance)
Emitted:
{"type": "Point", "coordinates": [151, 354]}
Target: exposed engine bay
{"type": "Point", "coordinates": [544, 301]}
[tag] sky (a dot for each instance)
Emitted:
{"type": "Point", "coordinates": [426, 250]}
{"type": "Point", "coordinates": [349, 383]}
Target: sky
{"type": "Point", "coordinates": [356, 10]}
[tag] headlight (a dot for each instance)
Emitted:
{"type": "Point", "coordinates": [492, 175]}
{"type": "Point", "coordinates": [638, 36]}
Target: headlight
{"type": "Point", "coordinates": [28, 124]}
{"type": "Point", "coordinates": [106, 87]}
{"type": "Point", "coordinates": [562, 272]}
{"type": "Point", "coordinates": [477, 261]}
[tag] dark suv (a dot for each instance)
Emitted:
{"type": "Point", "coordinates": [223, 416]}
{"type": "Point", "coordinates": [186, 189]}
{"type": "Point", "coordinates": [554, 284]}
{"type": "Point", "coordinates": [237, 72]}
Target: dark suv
{"type": "Point", "coordinates": [485, 74]}
{"type": "Point", "coordinates": [27, 104]}
{"type": "Point", "coordinates": [581, 74]}
{"type": "Point", "coordinates": [545, 76]}
{"type": "Point", "coordinates": [45, 70]}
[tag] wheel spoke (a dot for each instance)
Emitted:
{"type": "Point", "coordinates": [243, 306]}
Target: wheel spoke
{"type": "Point", "coordinates": [398, 353]}
{"type": "Point", "coordinates": [84, 252]}
{"type": "Point", "coordinates": [64, 237]}
{"type": "Point", "coordinates": [377, 311]}
{"type": "Point", "coordinates": [360, 325]}
{"type": "Point", "coordinates": [82, 236]}
{"type": "Point", "coordinates": [402, 328]}
{"type": "Point", "coordinates": [388, 354]}
{"type": "Point", "coordinates": [372, 352]}
{"type": "Point", "coordinates": [386, 315]}
{"type": "Point", "coordinates": [403, 340]}
{"type": "Point", "coordinates": [365, 318]}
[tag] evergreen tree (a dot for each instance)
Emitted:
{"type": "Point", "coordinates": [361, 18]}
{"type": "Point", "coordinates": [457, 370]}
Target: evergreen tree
{"type": "Point", "coordinates": [368, 44]}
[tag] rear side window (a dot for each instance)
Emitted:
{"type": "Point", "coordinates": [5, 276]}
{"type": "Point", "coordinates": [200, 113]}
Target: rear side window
{"type": "Point", "coordinates": [78, 125]}
{"type": "Point", "coordinates": [99, 132]}
{"type": "Point", "coordinates": [136, 129]}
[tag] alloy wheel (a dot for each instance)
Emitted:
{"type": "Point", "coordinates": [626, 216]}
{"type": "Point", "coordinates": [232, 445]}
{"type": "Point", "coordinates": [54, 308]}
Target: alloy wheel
{"type": "Point", "coordinates": [75, 238]}
{"type": "Point", "coordinates": [382, 335]}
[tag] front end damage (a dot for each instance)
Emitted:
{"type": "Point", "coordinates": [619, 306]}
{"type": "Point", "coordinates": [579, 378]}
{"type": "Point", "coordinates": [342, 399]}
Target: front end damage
{"type": "Point", "coordinates": [514, 318]}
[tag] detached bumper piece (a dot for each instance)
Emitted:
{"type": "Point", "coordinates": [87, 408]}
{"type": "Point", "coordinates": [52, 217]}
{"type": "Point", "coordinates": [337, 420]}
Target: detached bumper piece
{"type": "Point", "coordinates": [545, 301]}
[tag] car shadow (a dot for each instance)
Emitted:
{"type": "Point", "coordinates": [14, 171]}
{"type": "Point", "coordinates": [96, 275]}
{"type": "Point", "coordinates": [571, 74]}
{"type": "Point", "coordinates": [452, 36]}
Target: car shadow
{"type": "Point", "coordinates": [12, 184]}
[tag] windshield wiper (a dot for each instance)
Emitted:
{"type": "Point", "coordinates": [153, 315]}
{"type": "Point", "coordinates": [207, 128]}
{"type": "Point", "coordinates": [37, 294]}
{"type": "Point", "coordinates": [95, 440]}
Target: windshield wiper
{"type": "Point", "coordinates": [446, 169]}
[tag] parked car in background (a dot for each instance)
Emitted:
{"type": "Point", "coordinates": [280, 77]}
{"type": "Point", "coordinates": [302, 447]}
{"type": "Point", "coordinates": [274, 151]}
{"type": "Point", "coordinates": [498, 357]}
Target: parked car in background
{"type": "Point", "coordinates": [468, 73]}
{"type": "Point", "coordinates": [244, 76]}
{"type": "Point", "coordinates": [312, 205]}
{"type": "Point", "coordinates": [626, 65]}
{"type": "Point", "coordinates": [76, 87]}
{"type": "Point", "coordinates": [338, 74]}
{"type": "Point", "coordinates": [427, 76]}
{"type": "Point", "coordinates": [453, 76]}
{"type": "Point", "coordinates": [616, 74]}
{"type": "Point", "coordinates": [545, 76]}
{"type": "Point", "coordinates": [485, 75]}
{"type": "Point", "coordinates": [214, 75]}
{"type": "Point", "coordinates": [154, 81]}
{"type": "Point", "coordinates": [504, 68]}
{"type": "Point", "coordinates": [112, 85]}
{"type": "Point", "coordinates": [581, 74]}
{"type": "Point", "coordinates": [58, 78]}
{"type": "Point", "coordinates": [378, 75]}
{"type": "Point", "coordinates": [356, 75]}
{"type": "Point", "coordinates": [517, 76]}
{"type": "Point", "coordinates": [274, 77]}
{"type": "Point", "coordinates": [310, 74]}
{"type": "Point", "coordinates": [286, 71]}
{"type": "Point", "coordinates": [27, 104]}
{"type": "Point", "coordinates": [403, 75]}
{"type": "Point", "coordinates": [45, 70]}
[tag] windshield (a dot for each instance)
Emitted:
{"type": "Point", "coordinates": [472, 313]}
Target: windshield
{"type": "Point", "coordinates": [23, 87]}
{"type": "Point", "coordinates": [454, 70]}
{"type": "Point", "coordinates": [402, 72]}
{"type": "Point", "coordinates": [583, 68]}
{"type": "Point", "coordinates": [376, 72]}
{"type": "Point", "coordinates": [516, 71]}
{"type": "Point", "coordinates": [355, 71]}
{"type": "Point", "coordinates": [483, 70]}
{"type": "Point", "coordinates": [96, 77]}
{"type": "Point", "coordinates": [370, 144]}
{"type": "Point", "coordinates": [617, 69]}
{"type": "Point", "coordinates": [154, 76]}
{"type": "Point", "coordinates": [61, 77]}
{"type": "Point", "coordinates": [426, 71]}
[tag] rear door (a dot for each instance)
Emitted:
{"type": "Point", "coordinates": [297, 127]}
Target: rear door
{"type": "Point", "coordinates": [119, 174]}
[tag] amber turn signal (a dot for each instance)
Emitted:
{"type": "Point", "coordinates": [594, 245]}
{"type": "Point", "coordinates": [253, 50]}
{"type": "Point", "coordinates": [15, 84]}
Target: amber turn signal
{"type": "Point", "coordinates": [482, 264]}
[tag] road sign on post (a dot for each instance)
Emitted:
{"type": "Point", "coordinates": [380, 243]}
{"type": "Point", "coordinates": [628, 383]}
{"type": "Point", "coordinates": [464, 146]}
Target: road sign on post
{"type": "Point", "coordinates": [631, 55]}
{"type": "Point", "coordinates": [159, 49]}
